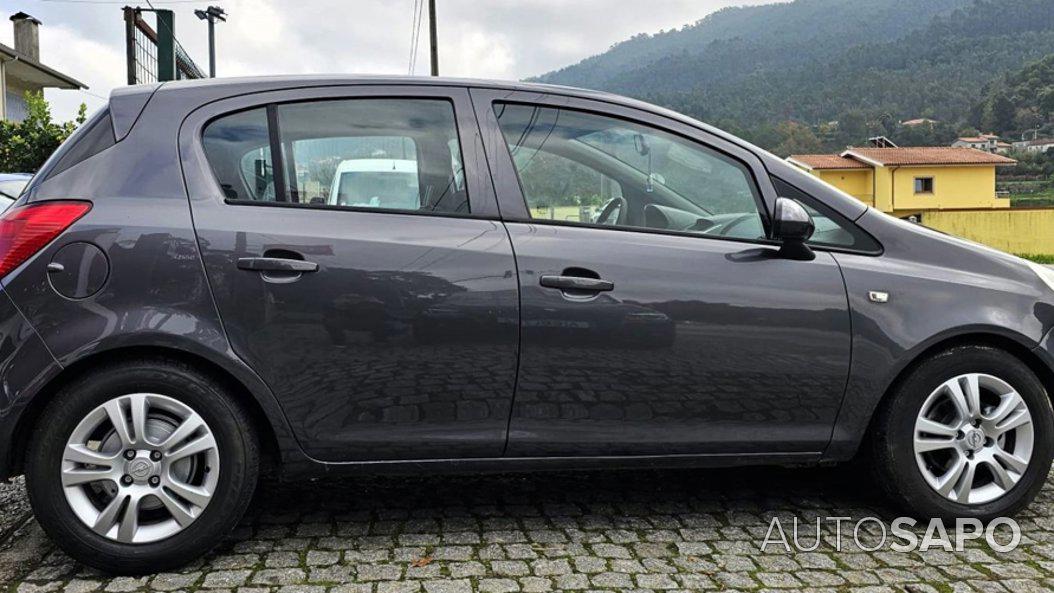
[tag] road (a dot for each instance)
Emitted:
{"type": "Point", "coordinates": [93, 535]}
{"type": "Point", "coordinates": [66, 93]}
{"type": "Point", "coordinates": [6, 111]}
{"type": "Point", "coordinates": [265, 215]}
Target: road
{"type": "Point", "coordinates": [643, 530]}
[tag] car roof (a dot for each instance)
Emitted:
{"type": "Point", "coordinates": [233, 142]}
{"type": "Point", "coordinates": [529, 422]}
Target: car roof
{"type": "Point", "coordinates": [209, 89]}
{"type": "Point", "coordinates": [15, 176]}
{"type": "Point", "coordinates": [281, 81]}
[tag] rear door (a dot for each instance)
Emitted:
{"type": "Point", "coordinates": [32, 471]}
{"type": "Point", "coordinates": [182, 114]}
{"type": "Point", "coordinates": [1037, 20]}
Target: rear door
{"type": "Point", "coordinates": [657, 316]}
{"type": "Point", "coordinates": [351, 243]}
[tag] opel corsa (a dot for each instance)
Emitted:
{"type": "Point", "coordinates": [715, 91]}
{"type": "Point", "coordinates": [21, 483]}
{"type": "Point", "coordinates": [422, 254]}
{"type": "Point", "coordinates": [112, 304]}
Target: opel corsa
{"type": "Point", "coordinates": [318, 275]}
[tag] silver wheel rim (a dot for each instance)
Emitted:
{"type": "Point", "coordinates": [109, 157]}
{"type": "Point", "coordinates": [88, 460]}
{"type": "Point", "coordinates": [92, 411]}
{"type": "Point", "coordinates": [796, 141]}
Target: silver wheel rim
{"type": "Point", "coordinates": [140, 468]}
{"type": "Point", "coordinates": [973, 438]}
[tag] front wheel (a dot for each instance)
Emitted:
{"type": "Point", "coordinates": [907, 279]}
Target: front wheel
{"type": "Point", "coordinates": [141, 466]}
{"type": "Point", "coordinates": [968, 433]}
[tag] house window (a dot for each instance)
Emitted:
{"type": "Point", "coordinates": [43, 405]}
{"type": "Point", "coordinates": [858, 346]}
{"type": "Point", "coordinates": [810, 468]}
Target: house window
{"type": "Point", "coordinates": [924, 185]}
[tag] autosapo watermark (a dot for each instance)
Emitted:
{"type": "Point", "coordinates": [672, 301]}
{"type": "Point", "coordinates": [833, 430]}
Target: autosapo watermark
{"type": "Point", "coordinates": [870, 534]}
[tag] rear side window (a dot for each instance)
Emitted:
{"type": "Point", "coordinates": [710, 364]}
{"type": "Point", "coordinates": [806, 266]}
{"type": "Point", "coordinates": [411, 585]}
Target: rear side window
{"type": "Point", "coordinates": [239, 151]}
{"type": "Point", "coordinates": [383, 154]}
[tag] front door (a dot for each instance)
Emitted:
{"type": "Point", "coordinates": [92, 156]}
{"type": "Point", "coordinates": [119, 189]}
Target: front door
{"type": "Point", "coordinates": [657, 318]}
{"type": "Point", "coordinates": [352, 247]}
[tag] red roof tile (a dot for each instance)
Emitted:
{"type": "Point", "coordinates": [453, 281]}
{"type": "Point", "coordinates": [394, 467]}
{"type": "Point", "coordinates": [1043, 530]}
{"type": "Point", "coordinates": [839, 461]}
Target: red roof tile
{"type": "Point", "coordinates": [927, 155]}
{"type": "Point", "coordinates": [826, 161]}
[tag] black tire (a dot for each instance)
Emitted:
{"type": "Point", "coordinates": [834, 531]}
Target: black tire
{"type": "Point", "coordinates": [892, 449]}
{"type": "Point", "coordinates": [236, 443]}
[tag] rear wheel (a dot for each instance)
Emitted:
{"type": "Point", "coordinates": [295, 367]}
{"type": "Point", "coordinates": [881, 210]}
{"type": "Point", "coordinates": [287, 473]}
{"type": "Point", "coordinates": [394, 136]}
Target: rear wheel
{"type": "Point", "coordinates": [141, 466]}
{"type": "Point", "coordinates": [966, 434]}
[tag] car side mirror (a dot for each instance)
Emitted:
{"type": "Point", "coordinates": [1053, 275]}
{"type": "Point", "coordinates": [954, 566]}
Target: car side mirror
{"type": "Point", "coordinates": [792, 226]}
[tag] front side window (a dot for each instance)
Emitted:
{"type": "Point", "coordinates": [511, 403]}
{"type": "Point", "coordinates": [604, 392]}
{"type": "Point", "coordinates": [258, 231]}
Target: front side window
{"type": "Point", "coordinates": [390, 154]}
{"type": "Point", "coordinates": [582, 167]}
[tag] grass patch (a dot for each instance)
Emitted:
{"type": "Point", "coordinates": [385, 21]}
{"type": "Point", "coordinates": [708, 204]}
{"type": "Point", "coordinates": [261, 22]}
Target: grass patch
{"type": "Point", "coordinates": [1039, 199]}
{"type": "Point", "coordinates": [1039, 258]}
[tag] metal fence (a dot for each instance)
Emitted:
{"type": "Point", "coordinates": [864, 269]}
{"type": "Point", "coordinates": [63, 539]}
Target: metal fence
{"type": "Point", "coordinates": [146, 49]}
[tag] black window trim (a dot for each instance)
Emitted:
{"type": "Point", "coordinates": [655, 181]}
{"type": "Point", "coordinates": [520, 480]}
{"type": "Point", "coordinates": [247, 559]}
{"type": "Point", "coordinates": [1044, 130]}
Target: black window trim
{"type": "Point", "coordinates": [756, 191]}
{"type": "Point", "coordinates": [274, 140]}
{"type": "Point", "coordinates": [278, 169]}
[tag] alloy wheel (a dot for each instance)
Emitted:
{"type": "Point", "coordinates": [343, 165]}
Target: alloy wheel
{"type": "Point", "coordinates": [973, 438]}
{"type": "Point", "coordinates": [140, 468]}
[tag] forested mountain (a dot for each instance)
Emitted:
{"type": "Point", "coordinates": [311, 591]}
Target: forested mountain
{"type": "Point", "coordinates": [765, 71]}
{"type": "Point", "coordinates": [1022, 101]}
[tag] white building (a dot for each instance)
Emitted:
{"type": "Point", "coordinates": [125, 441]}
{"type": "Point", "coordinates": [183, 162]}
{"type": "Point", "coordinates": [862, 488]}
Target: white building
{"type": "Point", "coordinates": [1037, 145]}
{"type": "Point", "coordinates": [21, 70]}
{"type": "Point", "coordinates": [985, 142]}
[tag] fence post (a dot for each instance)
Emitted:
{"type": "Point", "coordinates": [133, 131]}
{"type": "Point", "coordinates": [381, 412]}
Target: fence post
{"type": "Point", "coordinates": [129, 41]}
{"type": "Point", "coordinates": [166, 45]}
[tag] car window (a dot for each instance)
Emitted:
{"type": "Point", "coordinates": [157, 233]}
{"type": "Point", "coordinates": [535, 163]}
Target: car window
{"type": "Point", "coordinates": [558, 188]}
{"type": "Point", "coordinates": [832, 230]}
{"type": "Point", "coordinates": [391, 154]}
{"type": "Point", "coordinates": [238, 149]}
{"type": "Point", "coordinates": [583, 167]}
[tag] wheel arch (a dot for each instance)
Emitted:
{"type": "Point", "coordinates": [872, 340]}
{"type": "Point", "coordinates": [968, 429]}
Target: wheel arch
{"type": "Point", "coordinates": [273, 435]}
{"type": "Point", "coordinates": [852, 435]}
{"type": "Point", "coordinates": [993, 340]}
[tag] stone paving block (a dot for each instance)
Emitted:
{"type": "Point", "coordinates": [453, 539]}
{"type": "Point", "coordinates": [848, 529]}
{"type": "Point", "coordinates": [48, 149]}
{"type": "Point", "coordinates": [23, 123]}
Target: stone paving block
{"type": "Point", "coordinates": [561, 532]}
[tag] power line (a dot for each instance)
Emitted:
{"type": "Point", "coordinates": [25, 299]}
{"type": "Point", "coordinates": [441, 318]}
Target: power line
{"type": "Point", "coordinates": [97, 96]}
{"type": "Point", "coordinates": [413, 29]}
{"type": "Point", "coordinates": [419, 13]}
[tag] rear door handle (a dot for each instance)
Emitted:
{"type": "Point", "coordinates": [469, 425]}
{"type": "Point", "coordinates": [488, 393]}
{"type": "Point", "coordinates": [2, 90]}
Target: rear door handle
{"type": "Point", "coordinates": [576, 283]}
{"type": "Point", "coordinates": [276, 264]}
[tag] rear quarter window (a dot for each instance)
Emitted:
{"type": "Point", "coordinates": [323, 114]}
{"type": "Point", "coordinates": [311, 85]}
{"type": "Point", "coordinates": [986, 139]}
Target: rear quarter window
{"type": "Point", "coordinates": [239, 152]}
{"type": "Point", "coordinates": [95, 136]}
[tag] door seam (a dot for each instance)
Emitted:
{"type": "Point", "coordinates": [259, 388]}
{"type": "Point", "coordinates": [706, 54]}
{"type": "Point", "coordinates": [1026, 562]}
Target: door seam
{"type": "Point", "coordinates": [519, 339]}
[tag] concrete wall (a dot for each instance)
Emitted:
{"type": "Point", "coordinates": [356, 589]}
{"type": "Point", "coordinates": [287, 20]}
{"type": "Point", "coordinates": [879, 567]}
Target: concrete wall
{"type": "Point", "coordinates": [1020, 230]}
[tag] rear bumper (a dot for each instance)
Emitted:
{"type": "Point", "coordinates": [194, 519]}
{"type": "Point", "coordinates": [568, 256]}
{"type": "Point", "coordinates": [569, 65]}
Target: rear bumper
{"type": "Point", "coordinates": [26, 366]}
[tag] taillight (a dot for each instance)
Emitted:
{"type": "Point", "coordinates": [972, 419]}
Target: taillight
{"type": "Point", "coordinates": [27, 229]}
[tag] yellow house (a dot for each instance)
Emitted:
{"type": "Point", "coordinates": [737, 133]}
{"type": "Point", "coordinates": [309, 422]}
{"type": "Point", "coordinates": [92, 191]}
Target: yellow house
{"type": "Point", "coordinates": [946, 188]}
{"type": "Point", "coordinates": [911, 181]}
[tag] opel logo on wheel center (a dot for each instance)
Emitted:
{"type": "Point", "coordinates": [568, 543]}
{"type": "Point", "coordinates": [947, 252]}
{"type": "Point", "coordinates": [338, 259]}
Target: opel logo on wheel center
{"type": "Point", "coordinates": [975, 439]}
{"type": "Point", "coordinates": [140, 468]}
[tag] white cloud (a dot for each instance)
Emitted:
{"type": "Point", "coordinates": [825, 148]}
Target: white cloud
{"type": "Point", "coordinates": [510, 39]}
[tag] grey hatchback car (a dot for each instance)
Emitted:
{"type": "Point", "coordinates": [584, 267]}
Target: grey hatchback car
{"type": "Point", "coordinates": [315, 275]}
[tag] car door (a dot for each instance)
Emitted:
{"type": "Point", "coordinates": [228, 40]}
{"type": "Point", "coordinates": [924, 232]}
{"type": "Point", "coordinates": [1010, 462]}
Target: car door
{"type": "Point", "coordinates": [352, 245]}
{"type": "Point", "coordinates": [657, 318]}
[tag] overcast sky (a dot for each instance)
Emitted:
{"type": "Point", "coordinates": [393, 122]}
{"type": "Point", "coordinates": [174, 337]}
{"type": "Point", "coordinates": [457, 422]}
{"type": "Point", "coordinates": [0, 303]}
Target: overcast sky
{"type": "Point", "coordinates": [507, 39]}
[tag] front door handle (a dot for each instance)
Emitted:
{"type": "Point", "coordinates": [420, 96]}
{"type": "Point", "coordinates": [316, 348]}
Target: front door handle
{"type": "Point", "coordinates": [577, 283]}
{"type": "Point", "coordinates": [276, 264]}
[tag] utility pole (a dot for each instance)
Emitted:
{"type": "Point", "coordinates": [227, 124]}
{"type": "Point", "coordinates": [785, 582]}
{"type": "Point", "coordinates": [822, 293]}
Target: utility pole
{"type": "Point", "coordinates": [212, 14]}
{"type": "Point", "coordinates": [432, 36]}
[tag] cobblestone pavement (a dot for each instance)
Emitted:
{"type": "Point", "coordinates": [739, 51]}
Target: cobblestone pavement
{"type": "Point", "coordinates": [644, 530]}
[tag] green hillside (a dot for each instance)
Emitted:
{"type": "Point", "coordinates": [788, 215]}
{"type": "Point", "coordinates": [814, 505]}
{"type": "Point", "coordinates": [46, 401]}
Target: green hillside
{"type": "Point", "coordinates": [778, 74]}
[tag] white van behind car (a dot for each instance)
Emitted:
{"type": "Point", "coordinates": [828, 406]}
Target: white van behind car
{"type": "Point", "coordinates": [376, 183]}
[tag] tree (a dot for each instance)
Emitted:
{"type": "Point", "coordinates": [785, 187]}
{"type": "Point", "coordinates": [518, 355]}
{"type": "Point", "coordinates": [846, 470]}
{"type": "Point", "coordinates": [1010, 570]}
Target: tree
{"type": "Point", "coordinates": [796, 138]}
{"type": "Point", "coordinates": [999, 114]}
{"type": "Point", "coordinates": [852, 128]}
{"type": "Point", "coordinates": [25, 145]}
